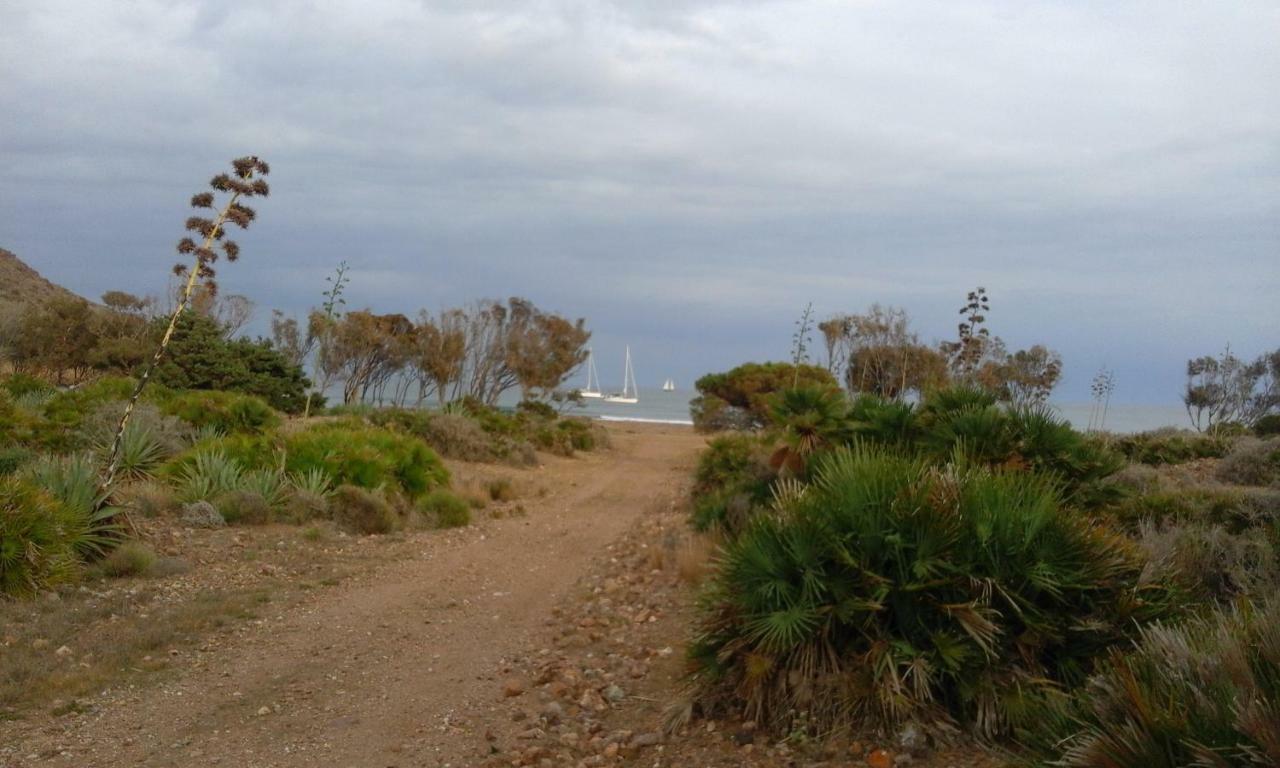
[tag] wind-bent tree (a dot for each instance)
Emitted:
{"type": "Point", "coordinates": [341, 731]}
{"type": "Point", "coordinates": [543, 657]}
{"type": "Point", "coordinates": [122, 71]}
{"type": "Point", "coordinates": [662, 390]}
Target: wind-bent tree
{"type": "Point", "coordinates": [245, 181]}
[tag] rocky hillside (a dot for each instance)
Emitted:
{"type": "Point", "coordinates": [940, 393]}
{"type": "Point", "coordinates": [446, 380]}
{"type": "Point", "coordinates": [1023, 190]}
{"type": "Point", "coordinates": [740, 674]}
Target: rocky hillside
{"type": "Point", "coordinates": [20, 283]}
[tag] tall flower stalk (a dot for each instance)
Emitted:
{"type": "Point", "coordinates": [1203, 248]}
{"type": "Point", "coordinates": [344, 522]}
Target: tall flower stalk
{"type": "Point", "coordinates": [245, 181]}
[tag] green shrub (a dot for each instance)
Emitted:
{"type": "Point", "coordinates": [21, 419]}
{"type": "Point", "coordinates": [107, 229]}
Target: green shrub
{"type": "Point", "coordinates": [12, 458]}
{"type": "Point", "coordinates": [243, 507]}
{"type": "Point", "coordinates": [1203, 692]}
{"type": "Point", "coordinates": [537, 410]}
{"type": "Point", "coordinates": [22, 384]}
{"type": "Point", "coordinates": [1171, 446]}
{"type": "Point", "coordinates": [360, 511]}
{"type": "Point", "coordinates": [367, 457]}
{"type": "Point", "coordinates": [1252, 462]}
{"type": "Point", "coordinates": [132, 558]}
{"type": "Point", "coordinates": [732, 480]}
{"type": "Point", "coordinates": [227, 412]}
{"type": "Point", "coordinates": [748, 390]}
{"type": "Point", "coordinates": [1267, 425]}
{"type": "Point", "coordinates": [445, 509]}
{"type": "Point", "coordinates": [64, 416]}
{"type": "Point", "coordinates": [200, 357]}
{"type": "Point", "coordinates": [893, 590]}
{"type": "Point", "coordinates": [35, 539]}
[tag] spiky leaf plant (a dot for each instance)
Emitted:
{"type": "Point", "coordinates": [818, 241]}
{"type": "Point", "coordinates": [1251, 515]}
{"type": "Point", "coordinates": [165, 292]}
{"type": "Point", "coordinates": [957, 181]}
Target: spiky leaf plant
{"type": "Point", "coordinates": [1205, 692]}
{"type": "Point", "coordinates": [88, 518]}
{"type": "Point", "coordinates": [245, 181]}
{"type": "Point", "coordinates": [209, 474]}
{"type": "Point", "coordinates": [270, 484]}
{"type": "Point", "coordinates": [893, 590]}
{"type": "Point", "coordinates": [312, 480]}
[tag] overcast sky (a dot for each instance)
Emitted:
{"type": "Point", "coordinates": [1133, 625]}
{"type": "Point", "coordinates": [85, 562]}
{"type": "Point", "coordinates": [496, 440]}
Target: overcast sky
{"type": "Point", "coordinates": [685, 175]}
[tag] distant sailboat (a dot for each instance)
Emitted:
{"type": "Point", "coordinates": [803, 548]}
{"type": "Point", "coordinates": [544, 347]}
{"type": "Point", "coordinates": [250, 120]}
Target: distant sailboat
{"type": "Point", "coordinates": [592, 389]}
{"type": "Point", "coordinates": [629, 392]}
{"type": "Point", "coordinates": [669, 385]}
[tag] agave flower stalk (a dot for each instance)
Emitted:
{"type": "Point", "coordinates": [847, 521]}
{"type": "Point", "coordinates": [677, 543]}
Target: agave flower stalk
{"type": "Point", "coordinates": [244, 181]}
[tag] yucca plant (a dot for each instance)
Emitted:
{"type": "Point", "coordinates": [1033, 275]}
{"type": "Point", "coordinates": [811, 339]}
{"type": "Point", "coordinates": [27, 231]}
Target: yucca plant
{"type": "Point", "coordinates": [89, 519]}
{"type": "Point", "coordinates": [208, 475]}
{"type": "Point", "coordinates": [312, 480]}
{"type": "Point", "coordinates": [893, 589]}
{"type": "Point", "coordinates": [1205, 692]}
{"type": "Point", "coordinates": [140, 452]}
{"type": "Point", "coordinates": [245, 181]}
{"type": "Point", "coordinates": [270, 484]}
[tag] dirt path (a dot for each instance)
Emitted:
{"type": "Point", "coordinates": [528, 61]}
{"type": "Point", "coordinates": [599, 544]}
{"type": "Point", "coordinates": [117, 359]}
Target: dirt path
{"type": "Point", "coordinates": [399, 668]}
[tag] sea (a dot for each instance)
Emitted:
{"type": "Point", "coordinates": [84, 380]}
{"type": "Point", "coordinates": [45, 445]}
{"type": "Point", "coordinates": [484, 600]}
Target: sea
{"type": "Point", "coordinates": [660, 407]}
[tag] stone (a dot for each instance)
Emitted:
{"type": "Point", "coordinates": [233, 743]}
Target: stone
{"type": "Point", "coordinates": [63, 651]}
{"type": "Point", "coordinates": [913, 740]}
{"type": "Point", "coordinates": [615, 694]}
{"type": "Point", "coordinates": [879, 759]}
{"type": "Point", "coordinates": [649, 740]}
{"type": "Point", "coordinates": [201, 514]}
{"type": "Point", "coordinates": [512, 687]}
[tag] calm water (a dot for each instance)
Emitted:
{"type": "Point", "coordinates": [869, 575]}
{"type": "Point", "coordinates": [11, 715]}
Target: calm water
{"type": "Point", "coordinates": [673, 407]}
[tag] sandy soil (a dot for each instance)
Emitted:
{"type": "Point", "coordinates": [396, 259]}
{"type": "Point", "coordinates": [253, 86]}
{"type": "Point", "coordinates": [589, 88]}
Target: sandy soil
{"type": "Point", "coordinates": [397, 667]}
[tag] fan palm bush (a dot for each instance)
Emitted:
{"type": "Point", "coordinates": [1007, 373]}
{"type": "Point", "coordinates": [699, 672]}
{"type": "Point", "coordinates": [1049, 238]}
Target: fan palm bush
{"type": "Point", "coordinates": [884, 422]}
{"type": "Point", "coordinates": [36, 550]}
{"type": "Point", "coordinates": [811, 420]}
{"type": "Point", "coordinates": [894, 589]}
{"type": "Point", "coordinates": [1205, 692]}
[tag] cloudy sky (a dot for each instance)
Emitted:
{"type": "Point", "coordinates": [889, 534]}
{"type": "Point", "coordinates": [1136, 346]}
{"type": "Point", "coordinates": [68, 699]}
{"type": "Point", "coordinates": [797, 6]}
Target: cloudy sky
{"type": "Point", "coordinates": [686, 175]}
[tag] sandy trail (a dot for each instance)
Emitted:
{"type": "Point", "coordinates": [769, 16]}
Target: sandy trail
{"type": "Point", "coordinates": [403, 668]}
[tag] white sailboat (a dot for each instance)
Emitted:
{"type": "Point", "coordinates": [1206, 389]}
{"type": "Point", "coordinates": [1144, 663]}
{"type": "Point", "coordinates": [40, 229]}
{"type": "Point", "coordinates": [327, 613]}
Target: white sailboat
{"type": "Point", "coordinates": [592, 390]}
{"type": "Point", "coordinates": [629, 392]}
{"type": "Point", "coordinates": [669, 385]}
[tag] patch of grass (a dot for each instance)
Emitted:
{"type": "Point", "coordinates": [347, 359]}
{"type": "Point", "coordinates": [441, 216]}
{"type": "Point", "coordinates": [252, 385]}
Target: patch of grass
{"type": "Point", "coordinates": [364, 512]}
{"type": "Point", "coordinates": [108, 637]}
{"type": "Point", "coordinates": [1252, 462]}
{"type": "Point", "coordinates": [501, 489]}
{"type": "Point", "coordinates": [243, 508]}
{"type": "Point", "coordinates": [444, 509]}
{"type": "Point", "coordinates": [132, 558]}
{"type": "Point", "coordinates": [1203, 692]}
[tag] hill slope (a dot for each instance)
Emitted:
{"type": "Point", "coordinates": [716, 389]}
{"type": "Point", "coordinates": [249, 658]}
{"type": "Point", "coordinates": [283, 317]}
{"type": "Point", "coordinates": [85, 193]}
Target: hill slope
{"type": "Point", "coordinates": [20, 284]}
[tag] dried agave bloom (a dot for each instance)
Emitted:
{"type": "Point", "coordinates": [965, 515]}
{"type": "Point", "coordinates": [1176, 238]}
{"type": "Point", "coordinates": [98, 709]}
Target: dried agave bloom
{"type": "Point", "coordinates": [244, 181]}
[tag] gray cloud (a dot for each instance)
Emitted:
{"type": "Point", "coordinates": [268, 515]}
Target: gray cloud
{"type": "Point", "coordinates": [687, 175]}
